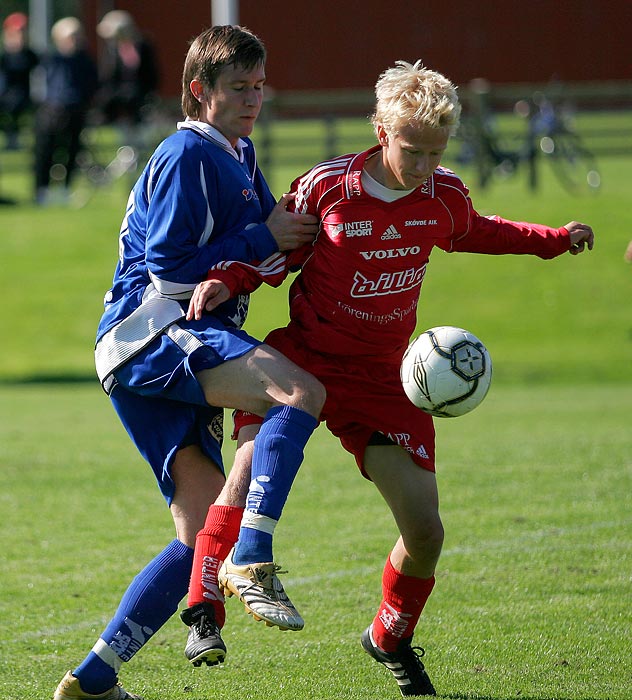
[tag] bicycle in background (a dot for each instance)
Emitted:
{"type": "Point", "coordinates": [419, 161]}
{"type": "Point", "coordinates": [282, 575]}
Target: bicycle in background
{"type": "Point", "coordinates": [549, 136]}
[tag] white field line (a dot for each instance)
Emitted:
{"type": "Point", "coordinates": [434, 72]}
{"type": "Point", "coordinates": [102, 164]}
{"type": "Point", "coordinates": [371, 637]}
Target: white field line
{"type": "Point", "coordinates": [528, 541]}
{"type": "Point", "coordinates": [551, 536]}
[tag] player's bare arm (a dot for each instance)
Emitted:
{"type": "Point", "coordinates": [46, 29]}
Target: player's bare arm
{"type": "Point", "coordinates": [289, 229]}
{"type": "Point", "coordinates": [581, 236]}
{"type": "Point", "coordinates": [208, 295]}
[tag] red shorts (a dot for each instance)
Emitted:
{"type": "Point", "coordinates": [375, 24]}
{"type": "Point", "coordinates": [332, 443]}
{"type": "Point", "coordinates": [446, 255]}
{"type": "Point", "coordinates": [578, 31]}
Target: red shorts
{"type": "Point", "coordinates": [364, 396]}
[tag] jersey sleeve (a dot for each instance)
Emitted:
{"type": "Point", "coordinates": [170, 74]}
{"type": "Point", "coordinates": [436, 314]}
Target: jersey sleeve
{"type": "Point", "coordinates": [497, 236]}
{"type": "Point", "coordinates": [473, 233]}
{"type": "Point", "coordinates": [493, 235]}
{"type": "Point", "coordinates": [242, 278]}
{"type": "Point", "coordinates": [181, 244]}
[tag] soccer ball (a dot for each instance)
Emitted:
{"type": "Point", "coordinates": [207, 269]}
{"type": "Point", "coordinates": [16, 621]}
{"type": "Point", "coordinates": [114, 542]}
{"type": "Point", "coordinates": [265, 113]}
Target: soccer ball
{"type": "Point", "coordinates": [446, 371]}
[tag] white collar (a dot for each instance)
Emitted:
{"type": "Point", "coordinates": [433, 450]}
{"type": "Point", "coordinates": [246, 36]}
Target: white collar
{"type": "Point", "coordinates": [376, 189]}
{"type": "Point", "coordinates": [212, 133]}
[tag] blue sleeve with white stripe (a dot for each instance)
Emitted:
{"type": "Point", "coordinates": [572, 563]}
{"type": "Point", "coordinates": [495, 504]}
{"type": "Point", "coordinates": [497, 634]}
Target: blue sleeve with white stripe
{"type": "Point", "coordinates": [195, 204]}
{"type": "Point", "coordinates": [199, 211]}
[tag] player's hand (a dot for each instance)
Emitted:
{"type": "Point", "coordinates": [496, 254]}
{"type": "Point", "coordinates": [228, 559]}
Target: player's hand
{"type": "Point", "coordinates": [207, 296]}
{"type": "Point", "coordinates": [582, 237]}
{"type": "Point", "coordinates": [290, 229]}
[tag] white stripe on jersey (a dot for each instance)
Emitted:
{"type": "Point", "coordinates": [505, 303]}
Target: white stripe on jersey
{"type": "Point", "coordinates": [304, 192]}
{"type": "Point", "coordinates": [337, 166]}
{"type": "Point", "coordinates": [172, 290]}
{"type": "Point", "coordinates": [271, 266]}
{"type": "Point", "coordinates": [150, 180]}
{"type": "Point", "coordinates": [210, 221]}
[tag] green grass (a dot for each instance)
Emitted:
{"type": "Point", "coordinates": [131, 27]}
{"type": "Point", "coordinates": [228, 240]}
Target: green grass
{"type": "Point", "coordinates": [532, 600]}
{"type": "Point", "coordinates": [559, 320]}
{"type": "Point", "coordinates": [533, 585]}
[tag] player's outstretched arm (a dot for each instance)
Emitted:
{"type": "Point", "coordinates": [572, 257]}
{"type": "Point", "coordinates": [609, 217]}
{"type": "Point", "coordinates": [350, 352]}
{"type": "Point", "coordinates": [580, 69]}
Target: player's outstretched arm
{"type": "Point", "coordinates": [581, 236]}
{"type": "Point", "coordinates": [290, 229]}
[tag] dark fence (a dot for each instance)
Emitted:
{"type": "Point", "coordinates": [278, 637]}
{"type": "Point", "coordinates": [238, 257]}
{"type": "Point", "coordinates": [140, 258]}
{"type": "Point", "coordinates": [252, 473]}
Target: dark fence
{"type": "Point", "coordinates": [299, 128]}
{"type": "Point", "coordinates": [281, 142]}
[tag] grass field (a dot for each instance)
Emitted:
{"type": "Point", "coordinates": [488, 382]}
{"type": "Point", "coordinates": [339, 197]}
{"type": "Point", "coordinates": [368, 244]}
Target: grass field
{"type": "Point", "coordinates": [533, 593]}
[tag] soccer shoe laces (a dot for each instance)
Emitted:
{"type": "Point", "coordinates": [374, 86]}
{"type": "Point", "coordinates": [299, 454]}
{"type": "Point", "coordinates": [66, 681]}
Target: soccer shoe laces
{"type": "Point", "coordinates": [202, 618]}
{"type": "Point", "coordinates": [207, 627]}
{"type": "Point", "coordinates": [264, 575]}
{"type": "Point", "coordinates": [260, 590]}
{"type": "Point", "coordinates": [412, 656]}
{"type": "Point", "coordinates": [204, 642]}
{"type": "Point", "coordinates": [412, 668]}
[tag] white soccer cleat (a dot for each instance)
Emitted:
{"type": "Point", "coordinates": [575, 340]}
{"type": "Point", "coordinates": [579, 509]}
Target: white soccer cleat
{"type": "Point", "coordinates": [70, 689]}
{"type": "Point", "coordinates": [260, 590]}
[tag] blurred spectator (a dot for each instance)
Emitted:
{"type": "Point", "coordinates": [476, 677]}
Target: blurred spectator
{"type": "Point", "coordinates": [16, 63]}
{"type": "Point", "coordinates": [71, 81]}
{"type": "Point", "coordinates": [129, 77]}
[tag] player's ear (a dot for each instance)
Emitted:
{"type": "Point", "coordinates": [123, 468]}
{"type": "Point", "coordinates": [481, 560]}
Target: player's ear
{"type": "Point", "coordinates": [197, 90]}
{"type": "Point", "coordinates": [382, 136]}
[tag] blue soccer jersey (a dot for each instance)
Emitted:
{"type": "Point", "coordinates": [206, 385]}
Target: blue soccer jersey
{"type": "Point", "coordinates": [197, 202]}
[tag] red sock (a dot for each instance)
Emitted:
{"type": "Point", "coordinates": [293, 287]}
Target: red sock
{"type": "Point", "coordinates": [212, 546]}
{"type": "Point", "coordinates": [403, 600]}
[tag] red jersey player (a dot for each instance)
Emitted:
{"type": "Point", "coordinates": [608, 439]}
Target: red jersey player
{"type": "Point", "coordinates": [352, 311]}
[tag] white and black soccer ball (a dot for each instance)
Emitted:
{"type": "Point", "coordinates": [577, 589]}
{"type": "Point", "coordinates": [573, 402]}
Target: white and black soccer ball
{"type": "Point", "coordinates": [446, 371]}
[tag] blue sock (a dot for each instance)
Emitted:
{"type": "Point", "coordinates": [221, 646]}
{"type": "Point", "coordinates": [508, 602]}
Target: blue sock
{"type": "Point", "coordinates": [151, 599]}
{"type": "Point", "coordinates": [278, 454]}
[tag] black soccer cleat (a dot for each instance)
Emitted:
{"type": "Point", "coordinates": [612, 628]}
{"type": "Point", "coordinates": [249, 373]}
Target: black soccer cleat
{"type": "Point", "coordinates": [204, 643]}
{"type": "Point", "coordinates": [405, 665]}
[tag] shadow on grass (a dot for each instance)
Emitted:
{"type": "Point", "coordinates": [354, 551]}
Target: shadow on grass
{"type": "Point", "coordinates": [459, 696]}
{"type": "Point", "coordinates": [63, 378]}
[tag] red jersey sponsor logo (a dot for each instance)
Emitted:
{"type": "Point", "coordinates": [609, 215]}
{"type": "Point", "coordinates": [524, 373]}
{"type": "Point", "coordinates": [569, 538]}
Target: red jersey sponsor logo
{"type": "Point", "coordinates": [385, 318]}
{"type": "Point", "coordinates": [422, 222]}
{"type": "Point", "coordinates": [355, 177]}
{"type": "Point", "coordinates": [390, 253]}
{"type": "Point", "coordinates": [387, 282]}
{"type": "Point", "coordinates": [352, 228]}
{"type": "Point", "coordinates": [391, 233]}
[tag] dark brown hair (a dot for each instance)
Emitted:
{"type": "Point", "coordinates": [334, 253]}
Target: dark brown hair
{"type": "Point", "coordinates": [211, 51]}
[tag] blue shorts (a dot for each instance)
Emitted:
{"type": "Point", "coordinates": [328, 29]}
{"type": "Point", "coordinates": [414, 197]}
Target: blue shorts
{"type": "Point", "coordinates": [160, 402]}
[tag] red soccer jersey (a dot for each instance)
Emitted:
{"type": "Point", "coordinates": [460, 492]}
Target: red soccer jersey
{"type": "Point", "coordinates": [360, 281]}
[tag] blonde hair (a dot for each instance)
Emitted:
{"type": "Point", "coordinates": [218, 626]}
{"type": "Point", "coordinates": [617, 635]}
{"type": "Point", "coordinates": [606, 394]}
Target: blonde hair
{"type": "Point", "coordinates": [412, 94]}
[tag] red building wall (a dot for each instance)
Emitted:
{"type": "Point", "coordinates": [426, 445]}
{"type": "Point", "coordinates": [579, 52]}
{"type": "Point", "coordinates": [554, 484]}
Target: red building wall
{"type": "Point", "coordinates": [337, 44]}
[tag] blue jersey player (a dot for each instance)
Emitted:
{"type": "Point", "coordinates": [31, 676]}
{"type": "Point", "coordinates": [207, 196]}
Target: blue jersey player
{"type": "Point", "coordinates": [200, 200]}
